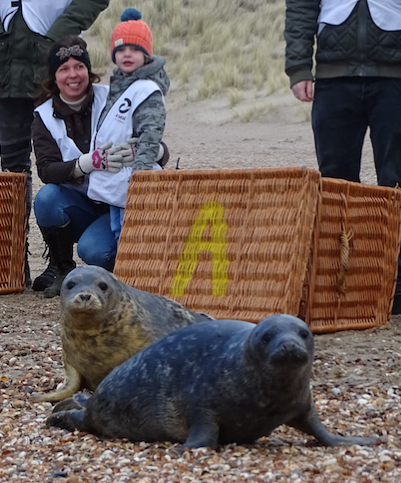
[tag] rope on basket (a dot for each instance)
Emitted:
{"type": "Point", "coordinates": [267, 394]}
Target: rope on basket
{"type": "Point", "coordinates": [345, 238]}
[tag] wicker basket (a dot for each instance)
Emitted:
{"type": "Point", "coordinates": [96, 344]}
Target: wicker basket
{"type": "Point", "coordinates": [12, 232]}
{"type": "Point", "coordinates": [232, 243]}
{"type": "Point", "coordinates": [243, 244]}
{"type": "Point", "coordinates": [353, 266]}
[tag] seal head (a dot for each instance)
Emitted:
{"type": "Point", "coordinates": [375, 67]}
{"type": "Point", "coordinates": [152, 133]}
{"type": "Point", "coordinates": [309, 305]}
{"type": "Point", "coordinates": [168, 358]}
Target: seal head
{"type": "Point", "coordinates": [283, 342]}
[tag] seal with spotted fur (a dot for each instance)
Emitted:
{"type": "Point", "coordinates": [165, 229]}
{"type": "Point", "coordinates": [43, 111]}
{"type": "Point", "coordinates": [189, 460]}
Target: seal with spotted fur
{"type": "Point", "coordinates": [104, 322]}
{"type": "Point", "coordinates": [219, 381]}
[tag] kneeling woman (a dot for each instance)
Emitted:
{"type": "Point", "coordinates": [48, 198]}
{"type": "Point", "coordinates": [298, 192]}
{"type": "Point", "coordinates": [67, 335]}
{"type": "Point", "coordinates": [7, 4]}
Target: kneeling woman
{"type": "Point", "coordinates": [61, 134]}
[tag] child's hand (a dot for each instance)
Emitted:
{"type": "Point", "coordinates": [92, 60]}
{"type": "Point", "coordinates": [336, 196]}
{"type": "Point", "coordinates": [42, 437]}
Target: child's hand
{"type": "Point", "coordinates": [133, 143]}
{"type": "Point", "coordinates": [127, 151]}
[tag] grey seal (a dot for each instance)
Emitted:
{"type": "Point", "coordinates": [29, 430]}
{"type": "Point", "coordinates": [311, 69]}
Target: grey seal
{"type": "Point", "coordinates": [218, 381]}
{"type": "Point", "coordinates": [104, 322]}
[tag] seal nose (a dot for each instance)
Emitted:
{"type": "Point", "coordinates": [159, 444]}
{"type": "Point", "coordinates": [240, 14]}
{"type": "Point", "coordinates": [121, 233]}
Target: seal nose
{"type": "Point", "coordinates": [289, 346]}
{"type": "Point", "coordinates": [290, 352]}
{"type": "Point", "coordinates": [85, 297]}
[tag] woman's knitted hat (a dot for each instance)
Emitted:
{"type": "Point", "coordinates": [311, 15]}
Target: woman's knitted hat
{"type": "Point", "coordinates": [61, 51]}
{"type": "Point", "coordinates": [131, 31]}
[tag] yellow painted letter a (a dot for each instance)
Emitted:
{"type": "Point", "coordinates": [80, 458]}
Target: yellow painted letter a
{"type": "Point", "coordinates": [213, 213]}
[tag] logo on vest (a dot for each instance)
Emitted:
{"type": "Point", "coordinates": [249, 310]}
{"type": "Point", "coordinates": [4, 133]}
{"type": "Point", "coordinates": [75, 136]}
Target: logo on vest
{"type": "Point", "coordinates": [122, 109]}
{"type": "Point", "coordinates": [125, 106]}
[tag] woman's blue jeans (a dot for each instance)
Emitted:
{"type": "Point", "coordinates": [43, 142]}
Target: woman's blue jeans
{"type": "Point", "coordinates": [55, 206]}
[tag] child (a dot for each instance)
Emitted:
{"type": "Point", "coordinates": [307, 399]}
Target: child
{"type": "Point", "coordinates": [134, 115]}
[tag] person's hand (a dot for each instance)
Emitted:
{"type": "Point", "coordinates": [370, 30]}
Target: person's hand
{"type": "Point", "coordinates": [133, 143]}
{"type": "Point", "coordinates": [101, 159]}
{"type": "Point", "coordinates": [127, 151]}
{"type": "Point", "coordinates": [303, 90]}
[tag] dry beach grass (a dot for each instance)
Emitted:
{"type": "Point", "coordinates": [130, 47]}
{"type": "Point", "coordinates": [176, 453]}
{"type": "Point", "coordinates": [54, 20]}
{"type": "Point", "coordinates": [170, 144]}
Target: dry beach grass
{"type": "Point", "coordinates": [231, 50]}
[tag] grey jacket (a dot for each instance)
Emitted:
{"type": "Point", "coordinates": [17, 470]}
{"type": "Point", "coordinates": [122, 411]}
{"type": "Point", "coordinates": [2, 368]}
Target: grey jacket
{"type": "Point", "coordinates": [357, 47]}
{"type": "Point", "coordinates": [149, 118]}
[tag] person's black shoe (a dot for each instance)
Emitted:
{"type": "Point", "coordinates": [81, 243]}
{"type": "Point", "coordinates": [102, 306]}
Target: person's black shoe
{"type": "Point", "coordinates": [46, 279]}
{"type": "Point", "coordinates": [55, 287]}
{"type": "Point", "coordinates": [62, 272]}
{"type": "Point", "coordinates": [396, 305]}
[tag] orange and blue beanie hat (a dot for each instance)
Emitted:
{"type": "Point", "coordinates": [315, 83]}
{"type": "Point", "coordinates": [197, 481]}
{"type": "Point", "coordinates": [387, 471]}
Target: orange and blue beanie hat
{"type": "Point", "coordinates": [131, 31]}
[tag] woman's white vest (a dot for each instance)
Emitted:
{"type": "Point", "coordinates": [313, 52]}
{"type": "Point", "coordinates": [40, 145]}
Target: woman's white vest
{"type": "Point", "coordinates": [386, 14]}
{"type": "Point", "coordinates": [117, 127]}
{"type": "Point", "coordinates": [39, 15]}
{"type": "Point", "coordinates": [58, 130]}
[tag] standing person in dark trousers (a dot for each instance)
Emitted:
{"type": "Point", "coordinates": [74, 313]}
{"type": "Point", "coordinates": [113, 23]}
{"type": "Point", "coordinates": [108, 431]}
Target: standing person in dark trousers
{"type": "Point", "coordinates": [27, 30]}
{"type": "Point", "coordinates": [357, 84]}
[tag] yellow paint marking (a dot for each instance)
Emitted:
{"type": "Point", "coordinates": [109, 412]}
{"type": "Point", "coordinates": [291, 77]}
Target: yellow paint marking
{"type": "Point", "coordinates": [211, 213]}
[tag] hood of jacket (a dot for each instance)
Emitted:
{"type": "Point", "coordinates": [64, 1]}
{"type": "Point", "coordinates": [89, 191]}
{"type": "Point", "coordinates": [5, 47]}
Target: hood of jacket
{"type": "Point", "coordinates": [153, 71]}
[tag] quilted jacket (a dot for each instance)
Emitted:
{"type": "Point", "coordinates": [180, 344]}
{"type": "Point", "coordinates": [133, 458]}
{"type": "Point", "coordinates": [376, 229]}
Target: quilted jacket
{"type": "Point", "coordinates": [23, 52]}
{"type": "Point", "coordinates": [357, 47]}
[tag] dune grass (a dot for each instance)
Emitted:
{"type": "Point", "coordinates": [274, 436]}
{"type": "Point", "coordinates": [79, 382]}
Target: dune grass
{"type": "Point", "coordinates": [212, 47]}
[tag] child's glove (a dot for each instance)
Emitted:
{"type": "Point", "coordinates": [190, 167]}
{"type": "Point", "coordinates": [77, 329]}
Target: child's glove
{"type": "Point", "coordinates": [127, 151]}
{"type": "Point", "coordinates": [131, 144]}
{"type": "Point", "coordinates": [104, 158]}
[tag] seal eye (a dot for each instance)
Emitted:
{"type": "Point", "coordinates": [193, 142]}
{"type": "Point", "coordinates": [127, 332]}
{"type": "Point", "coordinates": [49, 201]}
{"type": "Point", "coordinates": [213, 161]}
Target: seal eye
{"type": "Point", "coordinates": [304, 334]}
{"type": "Point", "coordinates": [103, 286]}
{"type": "Point", "coordinates": [267, 338]}
{"type": "Point", "coordinates": [70, 285]}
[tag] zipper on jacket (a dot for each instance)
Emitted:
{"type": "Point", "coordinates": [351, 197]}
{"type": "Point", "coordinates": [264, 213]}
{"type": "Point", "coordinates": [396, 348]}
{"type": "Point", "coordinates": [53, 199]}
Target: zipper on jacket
{"type": "Point", "coordinates": [362, 16]}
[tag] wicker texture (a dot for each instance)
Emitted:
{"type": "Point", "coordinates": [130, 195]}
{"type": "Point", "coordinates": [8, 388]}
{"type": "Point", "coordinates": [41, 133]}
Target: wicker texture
{"type": "Point", "coordinates": [353, 266]}
{"type": "Point", "coordinates": [244, 244]}
{"type": "Point", "coordinates": [12, 231]}
{"type": "Point", "coordinates": [231, 243]}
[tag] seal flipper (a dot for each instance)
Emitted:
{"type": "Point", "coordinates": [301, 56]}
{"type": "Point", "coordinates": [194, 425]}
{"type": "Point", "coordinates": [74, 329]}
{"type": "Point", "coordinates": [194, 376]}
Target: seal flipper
{"type": "Point", "coordinates": [203, 432]}
{"type": "Point", "coordinates": [310, 423]}
{"type": "Point", "coordinates": [72, 384]}
{"type": "Point", "coordinates": [69, 420]}
{"type": "Point", "coordinates": [78, 401]}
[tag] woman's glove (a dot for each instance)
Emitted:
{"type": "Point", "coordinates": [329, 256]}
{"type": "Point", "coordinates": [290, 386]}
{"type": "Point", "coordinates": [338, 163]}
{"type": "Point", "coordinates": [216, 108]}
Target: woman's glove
{"type": "Point", "coordinates": [105, 158]}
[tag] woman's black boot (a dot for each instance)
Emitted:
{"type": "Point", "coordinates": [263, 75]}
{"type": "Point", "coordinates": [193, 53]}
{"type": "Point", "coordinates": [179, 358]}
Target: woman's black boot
{"type": "Point", "coordinates": [60, 242]}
